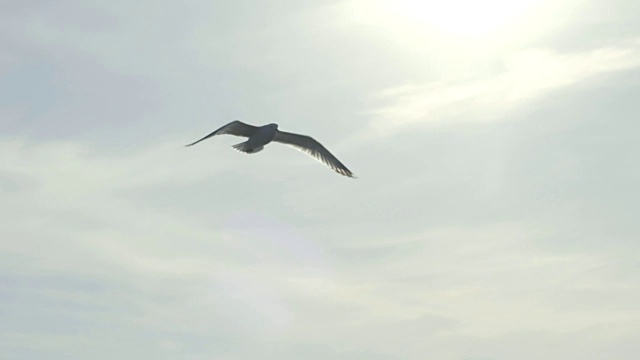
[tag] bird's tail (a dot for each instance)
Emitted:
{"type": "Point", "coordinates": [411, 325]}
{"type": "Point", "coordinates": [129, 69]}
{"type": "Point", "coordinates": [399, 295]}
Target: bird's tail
{"type": "Point", "coordinates": [246, 148]}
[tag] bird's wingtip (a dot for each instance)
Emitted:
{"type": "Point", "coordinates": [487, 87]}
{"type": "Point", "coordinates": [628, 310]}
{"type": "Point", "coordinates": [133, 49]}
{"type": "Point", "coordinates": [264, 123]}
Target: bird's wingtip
{"type": "Point", "coordinates": [348, 174]}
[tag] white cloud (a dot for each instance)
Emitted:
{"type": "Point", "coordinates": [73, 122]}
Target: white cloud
{"type": "Point", "coordinates": [258, 278]}
{"type": "Point", "coordinates": [492, 242]}
{"type": "Point", "coordinates": [527, 76]}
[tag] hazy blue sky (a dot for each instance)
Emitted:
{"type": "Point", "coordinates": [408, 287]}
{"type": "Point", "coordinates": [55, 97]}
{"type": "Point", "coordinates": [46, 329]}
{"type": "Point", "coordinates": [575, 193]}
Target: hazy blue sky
{"type": "Point", "coordinates": [495, 216]}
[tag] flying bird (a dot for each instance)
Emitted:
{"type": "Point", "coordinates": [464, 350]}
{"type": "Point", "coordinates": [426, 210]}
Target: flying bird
{"type": "Point", "coordinates": [259, 136]}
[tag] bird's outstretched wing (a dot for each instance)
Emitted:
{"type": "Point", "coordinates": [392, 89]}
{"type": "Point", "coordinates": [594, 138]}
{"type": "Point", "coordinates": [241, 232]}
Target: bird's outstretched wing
{"type": "Point", "coordinates": [236, 128]}
{"type": "Point", "coordinates": [312, 147]}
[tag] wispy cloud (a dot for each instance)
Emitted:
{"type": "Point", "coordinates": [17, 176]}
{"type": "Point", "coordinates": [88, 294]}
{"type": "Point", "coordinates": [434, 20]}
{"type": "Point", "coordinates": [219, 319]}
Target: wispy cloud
{"type": "Point", "coordinates": [256, 278]}
{"type": "Point", "coordinates": [470, 241]}
{"type": "Point", "coordinates": [527, 76]}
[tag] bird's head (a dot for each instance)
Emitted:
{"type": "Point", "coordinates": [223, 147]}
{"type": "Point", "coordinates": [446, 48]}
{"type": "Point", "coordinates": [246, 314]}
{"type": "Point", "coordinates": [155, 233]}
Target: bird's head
{"type": "Point", "coordinates": [273, 126]}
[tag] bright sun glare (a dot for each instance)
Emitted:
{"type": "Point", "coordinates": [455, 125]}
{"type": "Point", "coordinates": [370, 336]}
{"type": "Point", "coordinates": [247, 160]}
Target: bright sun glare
{"type": "Point", "coordinates": [458, 17]}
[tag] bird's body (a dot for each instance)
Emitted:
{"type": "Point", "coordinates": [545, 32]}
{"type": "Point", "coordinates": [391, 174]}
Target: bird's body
{"type": "Point", "coordinates": [259, 136]}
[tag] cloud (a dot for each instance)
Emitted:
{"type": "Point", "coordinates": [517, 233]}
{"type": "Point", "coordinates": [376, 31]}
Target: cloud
{"type": "Point", "coordinates": [71, 225]}
{"type": "Point", "coordinates": [463, 238]}
{"type": "Point", "coordinates": [186, 283]}
{"type": "Point", "coordinates": [527, 76]}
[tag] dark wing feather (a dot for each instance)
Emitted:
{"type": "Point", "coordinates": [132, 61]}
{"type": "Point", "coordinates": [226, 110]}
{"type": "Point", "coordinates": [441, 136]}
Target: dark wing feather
{"type": "Point", "coordinates": [236, 128]}
{"type": "Point", "coordinates": [312, 147]}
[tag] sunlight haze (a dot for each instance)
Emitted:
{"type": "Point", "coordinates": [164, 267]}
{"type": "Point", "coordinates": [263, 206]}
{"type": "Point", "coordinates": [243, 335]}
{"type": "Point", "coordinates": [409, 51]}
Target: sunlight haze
{"type": "Point", "coordinates": [494, 217]}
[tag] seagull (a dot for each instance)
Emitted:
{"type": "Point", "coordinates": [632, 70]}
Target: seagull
{"type": "Point", "coordinates": [259, 136]}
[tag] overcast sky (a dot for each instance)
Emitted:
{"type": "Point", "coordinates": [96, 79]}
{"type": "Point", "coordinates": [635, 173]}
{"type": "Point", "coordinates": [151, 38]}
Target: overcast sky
{"type": "Point", "coordinates": [495, 214]}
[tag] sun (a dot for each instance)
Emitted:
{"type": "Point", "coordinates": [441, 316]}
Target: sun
{"type": "Point", "coordinates": [462, 17]}
{"type": "Point", "coordinates": [467, 18]}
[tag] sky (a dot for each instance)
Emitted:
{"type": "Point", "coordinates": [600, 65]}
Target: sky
{"type": "Point", "coordinates": [493, 217]}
